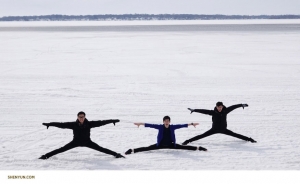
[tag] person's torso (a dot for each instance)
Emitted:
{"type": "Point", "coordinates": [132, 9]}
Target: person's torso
{"type": "Point", "coordinates": [166, 137]}
{"type": "Point", "coordinates": [82, 131]}
{"type": "Point", "coordinates": [219, 119]}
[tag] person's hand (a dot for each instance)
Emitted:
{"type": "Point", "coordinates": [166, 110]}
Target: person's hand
{"type": "Point", "coordinates": [192, 110]}
{"type": "Point", "coordinates": [245, 105]}
{"type": "Point", "coordinates": [116, 121]}
{"type": "Point", "coordinates": [195, 124]}
{"type": "Point", "coordinates": [202, 149]}
{"type": "Point", "coordinates": [46, 124]}
{"type": "Point", "coordinates": [138, 124]}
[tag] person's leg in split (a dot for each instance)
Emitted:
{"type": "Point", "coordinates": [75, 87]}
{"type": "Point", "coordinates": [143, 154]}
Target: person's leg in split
{"type": "Point", "coordinates": [67, 147]}
{"type": "Point", "coordinates": [136, 150]}
{"type": "Point", "coordinates": [205, 134]}
{"type": "Point", "coordinates": [239, 136]}
{"type": "Point", "coordinates": [193, 148]}
{"type": "Point", "coordinates": [95, 146]}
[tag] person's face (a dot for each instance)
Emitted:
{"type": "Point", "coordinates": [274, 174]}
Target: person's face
{"type": "Point", "coordinates": [220, 108]}
{"type": "Point", "coordinates": [81, 118]}
{"type": "Point", "coordinates": [166, 123]}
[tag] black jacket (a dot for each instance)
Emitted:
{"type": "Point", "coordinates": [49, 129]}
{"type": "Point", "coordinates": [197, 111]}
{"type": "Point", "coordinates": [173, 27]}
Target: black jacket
{"type": "Point", "coordinates": [219, 119]}
{"type": "Point", "coordinates": [82, 132]}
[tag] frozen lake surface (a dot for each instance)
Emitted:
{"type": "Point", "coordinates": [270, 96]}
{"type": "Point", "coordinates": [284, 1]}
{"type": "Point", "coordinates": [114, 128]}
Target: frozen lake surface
{"type": "Point", "coordinates": [140, 72]}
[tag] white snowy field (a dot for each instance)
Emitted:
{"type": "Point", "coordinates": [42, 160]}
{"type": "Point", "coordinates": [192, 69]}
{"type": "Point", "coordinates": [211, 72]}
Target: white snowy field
{"type": "Point", "coordinates": [140, 77]}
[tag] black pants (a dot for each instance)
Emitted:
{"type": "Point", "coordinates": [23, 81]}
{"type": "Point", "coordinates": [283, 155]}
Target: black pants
{"type": "Point", "coordinates": [225, 131]}
{"type": "Point", "coordinates": [155, 147]}
{"type": "Point", "coordinates": [74, 144]}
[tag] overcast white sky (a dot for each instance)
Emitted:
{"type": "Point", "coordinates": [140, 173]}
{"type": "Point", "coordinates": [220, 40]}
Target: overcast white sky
{"type": "Point", "coordinates": [91, 7]}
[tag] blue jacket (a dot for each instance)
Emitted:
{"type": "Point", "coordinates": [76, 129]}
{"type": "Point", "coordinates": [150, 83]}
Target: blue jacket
{"type": "Point", "coordinates": [161, 131]}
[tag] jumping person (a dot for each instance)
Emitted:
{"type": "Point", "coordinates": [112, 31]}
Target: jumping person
{"type": "Point", "coordinates": [81, 130]}
{"type": "Point", "coordinates": [166, 137]}
{"type": "Point", "coordinates": [219, 119]}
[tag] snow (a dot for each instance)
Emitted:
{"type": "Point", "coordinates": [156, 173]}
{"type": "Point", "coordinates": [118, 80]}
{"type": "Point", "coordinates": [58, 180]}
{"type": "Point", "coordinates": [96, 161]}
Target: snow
{"type": "Point", "coordinates": [141, 77]}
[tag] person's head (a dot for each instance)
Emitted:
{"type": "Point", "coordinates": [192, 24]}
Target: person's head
{"type": "Point", "coordinates": [81, 116]}
{"type": "Point", "coordinates": [167, 121]}
{"type": "Point", "coordinates": [219, 106]}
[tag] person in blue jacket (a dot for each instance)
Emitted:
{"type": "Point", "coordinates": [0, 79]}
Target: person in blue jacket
{"type": "Point", "coordinates": [166, 137]}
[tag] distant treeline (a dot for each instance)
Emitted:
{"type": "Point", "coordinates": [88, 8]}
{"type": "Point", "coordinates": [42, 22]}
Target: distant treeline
{"type": "Point", "coordinates": [143, 17]}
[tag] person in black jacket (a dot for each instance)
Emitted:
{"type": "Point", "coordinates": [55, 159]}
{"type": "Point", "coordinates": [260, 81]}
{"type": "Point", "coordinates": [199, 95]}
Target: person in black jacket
{"type": "Point", "coordinates": [81, 131]}
{"type": "Point", "coordinates": [219, 119]}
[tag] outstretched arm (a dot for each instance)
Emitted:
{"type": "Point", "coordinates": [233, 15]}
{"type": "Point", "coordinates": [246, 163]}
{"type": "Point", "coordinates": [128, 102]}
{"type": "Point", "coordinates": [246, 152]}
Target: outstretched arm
{"type": "Point", "coordinates": [103, 122]}
{"type": "Point", "coordinates": [203, 111]}
{"type": "Point", "coordinates": [180, 126]}
{"type": "Point", "coordinates": [68, 125]}
{"type": "Point", "coordinates": [184, 125]}
{"type": "Point", "coordinates": [148, 125]}
{"type": "Point", "coordinates": [231, 108]}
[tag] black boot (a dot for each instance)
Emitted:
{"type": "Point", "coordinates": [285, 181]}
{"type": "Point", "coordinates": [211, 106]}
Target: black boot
{"type": "Point", "coordinates": [202, 149]}
{"type": "Point", "coordinates": [118, 155]}
{"type": "Point", "coordinates": [251, 140]}
{"type": "Point", "coordinates": [43, 157]}
{"type": "Point", "coordinates": [128, 152]}
{"type": "Point", "coordinates": [186, 142]}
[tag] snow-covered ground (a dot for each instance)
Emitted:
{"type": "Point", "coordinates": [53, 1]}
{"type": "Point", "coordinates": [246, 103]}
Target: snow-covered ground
{"type": "Point", "coordinates": [141, 77]}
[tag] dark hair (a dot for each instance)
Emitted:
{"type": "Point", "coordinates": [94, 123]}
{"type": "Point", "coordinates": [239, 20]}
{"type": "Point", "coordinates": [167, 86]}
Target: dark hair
{"type": "Point", "coordinates": [167, 117]}
{"type": "Point", "coordinates": [81, 112]}
{"type": "Point", "coordinates": [219, 104]}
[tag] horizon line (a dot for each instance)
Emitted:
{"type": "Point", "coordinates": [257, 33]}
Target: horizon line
{"type": "Point", "coordinates": [153, 14]}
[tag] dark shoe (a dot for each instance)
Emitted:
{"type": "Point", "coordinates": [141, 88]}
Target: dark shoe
{"type": "Point", "coordinates": [185, 142]}
{"type": "Point", "coordinates": [251, 140]}
{"type": "Point", "coordinates": [43, 157]}
{"type": "Point", "coordinates": [202, 149]}
{"type": "Point", "coordinates": [119, 156]}
{"type": "Point", "coordinates": [128, 152]}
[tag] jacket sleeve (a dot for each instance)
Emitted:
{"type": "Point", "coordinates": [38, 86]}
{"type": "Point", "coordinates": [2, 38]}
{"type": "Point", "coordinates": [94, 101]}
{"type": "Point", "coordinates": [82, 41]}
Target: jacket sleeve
{"type": "Point", "coordinates": [180, 126]}
{"type": "Point", "coordinates": [152, 125]}
{"type": "Point", "coordinates": [102, 122]}
{"type": "Point", "coordinates": [231, 108]}
{"type": "Point", "coordinates": [204, 111]}
{"type": "Point", "coordinates": [67, 125]}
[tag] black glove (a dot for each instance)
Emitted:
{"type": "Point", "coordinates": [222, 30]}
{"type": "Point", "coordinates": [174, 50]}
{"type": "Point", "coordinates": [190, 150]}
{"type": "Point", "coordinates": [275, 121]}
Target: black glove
{"type": "Point", "coordinates": [115, 121]}
{"type": "Point", "coordinates": [244, 105]}
{"type": "Point", "coordinates": [192, 110]}
{"type": "Point", "coordinates": [46, 124]}
{"type": "Point", "coordinates": [202, 149]}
